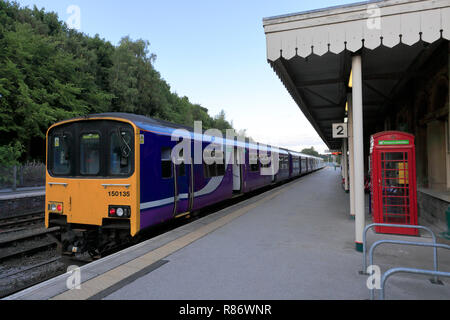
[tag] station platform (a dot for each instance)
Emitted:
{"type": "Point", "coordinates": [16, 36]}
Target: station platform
{"type": "Point", "coordinates": [295, 241]}
{"type": "Point", "coordinates": [21, 201]}
{"type": "Point", "coordinates": [9, 194]}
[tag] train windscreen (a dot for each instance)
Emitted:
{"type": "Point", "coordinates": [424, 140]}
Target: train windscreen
{"type": "Point", "coordinates": [96, 148]}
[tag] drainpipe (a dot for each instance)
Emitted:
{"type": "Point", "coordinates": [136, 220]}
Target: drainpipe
{"type": "Point", "coordinates": [344, 164]}
{"type": "Point", "coordinates": [351, 156]}
{"type": "Point", "coordinates": [446, 235]}
{"type": "Point", "coordinates": [358, 145]}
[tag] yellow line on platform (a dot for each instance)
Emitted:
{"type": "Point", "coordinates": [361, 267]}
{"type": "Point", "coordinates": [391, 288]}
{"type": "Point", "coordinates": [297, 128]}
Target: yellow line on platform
{"type": "Point", "coordinates": [112, 277]}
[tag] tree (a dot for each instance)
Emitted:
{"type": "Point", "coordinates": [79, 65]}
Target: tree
{"type": "Point", "coordinates": [221, 123]}
{"type": "Point", "coordinates": [311, 151]}
{"type": "Point", "coordinates": [49, 73]}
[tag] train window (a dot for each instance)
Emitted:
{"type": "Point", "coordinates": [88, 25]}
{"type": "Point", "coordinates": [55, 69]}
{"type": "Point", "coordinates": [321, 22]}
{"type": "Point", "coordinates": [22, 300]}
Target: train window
{"type": "Point", "coordinates": [90, 154]}
{"type": "Point", "coordinates": [182, 170]}
{"type": "Point", "coordinates": [166, 163]}
{"type": "Point", "coordinates": [265, 161]}
{"type": "Point", "coordinates": [253, 160]}
{"type": "Point", "coordinates": [214, 169]}
{"type": "Point", "coordinates": [205, 170]}
{"type": "Point", "coordinates": [209, 170]}
{"type": "Point", "coordinates": [120, 153]}
{"type": "Point", "coordinates": [284, 162]}
{"type": "Point", "coordinates": [60, 145]}
{"type": "Point", "coordinates": [220, 169]}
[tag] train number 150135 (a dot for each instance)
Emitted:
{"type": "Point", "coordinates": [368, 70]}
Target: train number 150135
{"type": "Point", "coordinates": [119, 193]}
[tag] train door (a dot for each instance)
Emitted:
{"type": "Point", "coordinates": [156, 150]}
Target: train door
{"type": "Point", "coordinates": [237, 170]}
{"type": "Point", "coordinates": [293, 166]}
{"type": "Point", "coordinates": [300, 167]}
{"type": "Point", "coordinates": [183, 187]}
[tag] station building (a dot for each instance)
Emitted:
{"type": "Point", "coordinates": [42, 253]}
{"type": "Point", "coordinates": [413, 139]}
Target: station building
{"type": "Point", "coordinates": [379, 66]}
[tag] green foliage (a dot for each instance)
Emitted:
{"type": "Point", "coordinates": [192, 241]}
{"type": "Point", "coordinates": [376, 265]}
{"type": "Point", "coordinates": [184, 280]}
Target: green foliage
{"type": "Point", "coordinates": [311, 151]}
{"type": "Point", "coordinates": [9, 154]}
{"type": "Point", "coordinates": [49, 73]}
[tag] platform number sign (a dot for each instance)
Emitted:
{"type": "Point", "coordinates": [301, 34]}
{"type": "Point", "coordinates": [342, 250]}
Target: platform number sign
{"type": "Point", "coordinates": [340, 130]}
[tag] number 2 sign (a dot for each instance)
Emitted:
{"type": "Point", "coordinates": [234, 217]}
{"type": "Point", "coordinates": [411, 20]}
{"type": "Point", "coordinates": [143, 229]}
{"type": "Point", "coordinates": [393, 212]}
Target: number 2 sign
{"type": "Point", "coordinates": [340, 130]}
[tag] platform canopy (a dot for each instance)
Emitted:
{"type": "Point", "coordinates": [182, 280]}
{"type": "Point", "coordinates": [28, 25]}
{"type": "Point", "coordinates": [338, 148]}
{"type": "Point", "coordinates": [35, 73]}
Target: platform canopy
{"type": "Point", "coordinates": [311, 53]}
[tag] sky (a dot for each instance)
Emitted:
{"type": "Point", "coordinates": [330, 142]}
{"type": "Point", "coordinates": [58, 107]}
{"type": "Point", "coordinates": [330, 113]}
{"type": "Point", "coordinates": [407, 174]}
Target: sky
{"type": "Point", "coordinates": [212, 51]}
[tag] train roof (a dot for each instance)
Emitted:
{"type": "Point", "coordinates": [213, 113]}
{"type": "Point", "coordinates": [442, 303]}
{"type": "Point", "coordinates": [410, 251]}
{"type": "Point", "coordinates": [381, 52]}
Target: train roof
{"type": "Point", "coordinates": [145, 122]}
{"type": "Point", "coordinates": [138, 119]}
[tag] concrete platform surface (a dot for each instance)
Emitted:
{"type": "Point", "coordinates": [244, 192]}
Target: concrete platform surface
{"type": "Point", "coordinates": [9, 194]}
{"type": "Point", "coordinates": [293, 242]}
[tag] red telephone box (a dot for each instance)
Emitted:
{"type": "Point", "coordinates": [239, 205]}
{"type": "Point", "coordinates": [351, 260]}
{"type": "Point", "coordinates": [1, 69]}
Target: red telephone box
{"type": "Point", "coordinates": [393, 180]}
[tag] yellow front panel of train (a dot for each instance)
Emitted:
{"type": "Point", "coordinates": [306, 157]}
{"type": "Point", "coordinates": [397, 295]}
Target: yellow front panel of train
{"type": "Point", "coordinates": [82, 158]}
{"type": "Point", "coordinates": [87, 201]}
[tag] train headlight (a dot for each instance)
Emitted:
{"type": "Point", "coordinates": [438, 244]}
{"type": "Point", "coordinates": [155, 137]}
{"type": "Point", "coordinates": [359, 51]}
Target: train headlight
{"type": "Point", "coordinates": [55, 207]}
{"type": "Point", "coordinates": [119, 211]}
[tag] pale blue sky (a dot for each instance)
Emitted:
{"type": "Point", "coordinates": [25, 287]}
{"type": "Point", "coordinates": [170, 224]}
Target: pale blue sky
{"type": "Point", "coordinates": [213, 52]}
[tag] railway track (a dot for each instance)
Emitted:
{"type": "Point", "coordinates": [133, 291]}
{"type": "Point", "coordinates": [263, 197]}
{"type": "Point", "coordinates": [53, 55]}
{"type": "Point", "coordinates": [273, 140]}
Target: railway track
{"type": "Point", "coordinates": [21, 222]}
{"type": "Point", "coordinates": [28, 276]}
{"type": "Point", "coordinates": [28, 254]}
{"type": "Point", "coordinates": [27, 243]}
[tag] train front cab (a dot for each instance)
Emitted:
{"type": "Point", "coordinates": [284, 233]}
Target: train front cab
{"type": "Point", "coordinates": [92, 190]}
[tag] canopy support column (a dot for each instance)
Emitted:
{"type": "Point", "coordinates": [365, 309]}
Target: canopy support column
{"type": "Point", "coordinates": [358, 145]}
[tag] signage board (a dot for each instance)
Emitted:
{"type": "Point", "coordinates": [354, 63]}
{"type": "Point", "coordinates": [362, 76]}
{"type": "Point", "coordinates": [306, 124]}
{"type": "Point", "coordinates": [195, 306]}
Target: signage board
{"type": "Point", "coordinates": [340, 130]}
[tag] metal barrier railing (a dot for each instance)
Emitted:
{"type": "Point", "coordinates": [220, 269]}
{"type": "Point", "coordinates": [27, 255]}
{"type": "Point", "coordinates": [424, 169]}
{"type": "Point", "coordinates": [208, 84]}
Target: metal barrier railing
{"type": "Point", "coordinates": [410, 243]}
{"type": "Point", "coordinates": [392, 271]}
{"type": "Point", "coordinates": [391, 225]}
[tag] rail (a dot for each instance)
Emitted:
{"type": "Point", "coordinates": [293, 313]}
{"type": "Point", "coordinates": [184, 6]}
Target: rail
{"type": "Point", "coordinates": [392, 271]}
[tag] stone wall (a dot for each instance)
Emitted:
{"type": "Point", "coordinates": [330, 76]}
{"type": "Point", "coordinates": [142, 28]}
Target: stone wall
{"type": "Point", "coordinates": [12, 207]}
{"type": "Point", "coordinates": [431, 210]}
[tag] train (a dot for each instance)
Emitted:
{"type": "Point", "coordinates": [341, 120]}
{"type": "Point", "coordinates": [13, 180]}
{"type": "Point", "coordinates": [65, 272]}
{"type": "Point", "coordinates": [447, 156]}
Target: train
{"type": "Point", "coordinates": [111, 176]}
